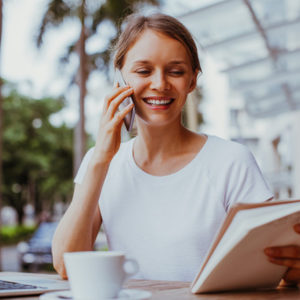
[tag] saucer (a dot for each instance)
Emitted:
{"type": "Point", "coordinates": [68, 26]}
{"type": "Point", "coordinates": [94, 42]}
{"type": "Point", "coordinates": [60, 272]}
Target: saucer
{"type": "Point", "coordinates": [125, 294]}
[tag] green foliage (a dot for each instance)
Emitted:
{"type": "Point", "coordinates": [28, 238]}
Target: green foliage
{"type": "Point", "coordinates": [95, 15]}
{"type": "Point", "coordinates": [114, 11]}
{"type": "Point", "coordinates": [37, 156]}
{"type": "Point", "coordinates": [15, 234]}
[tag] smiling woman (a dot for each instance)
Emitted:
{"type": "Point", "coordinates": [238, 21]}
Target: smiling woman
{"type": "Point", "coordinates": [161, 196]}
{"type": "Point", "coordinates": [158, 78]}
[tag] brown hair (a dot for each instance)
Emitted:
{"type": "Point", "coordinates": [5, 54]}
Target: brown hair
{"type": "Point", "coordinates": [136, 24]}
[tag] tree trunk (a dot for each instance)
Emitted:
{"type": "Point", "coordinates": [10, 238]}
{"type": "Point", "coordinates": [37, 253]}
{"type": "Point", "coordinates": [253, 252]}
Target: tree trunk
{"type": "Point", "coordinates": [20, 205]}
{"type": "Point", "coordinates": [1, 131]}
{"type": "Point", "coordinates": [80, 136]}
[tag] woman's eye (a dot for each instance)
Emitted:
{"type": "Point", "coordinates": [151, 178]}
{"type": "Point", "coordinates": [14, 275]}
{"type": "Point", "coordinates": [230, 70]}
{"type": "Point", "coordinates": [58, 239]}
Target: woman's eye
{"type": "Point", "coordinates": [176, 72]}
{"type": "Point", "coordinates": [143, 72]}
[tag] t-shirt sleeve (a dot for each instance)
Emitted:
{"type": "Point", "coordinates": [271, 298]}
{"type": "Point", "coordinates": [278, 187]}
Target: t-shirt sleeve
{"type": "Point", "coordinates": [83, 166]}
{"type": "Point", "coordinates": [245, 181]}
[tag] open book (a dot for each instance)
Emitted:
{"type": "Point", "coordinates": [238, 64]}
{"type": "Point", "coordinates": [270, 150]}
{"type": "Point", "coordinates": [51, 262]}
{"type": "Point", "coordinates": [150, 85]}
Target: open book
{"type": "Point", "coordinates": [236, 259]}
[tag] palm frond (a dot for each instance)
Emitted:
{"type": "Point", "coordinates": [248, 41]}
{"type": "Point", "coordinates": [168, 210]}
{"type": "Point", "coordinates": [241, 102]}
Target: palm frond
{"type": "Point", "coordinates": [117, 10]}
{"type": "Point", "coordinates": [56, 13]}
{"type": "Point", "coordinates": [64, 59]}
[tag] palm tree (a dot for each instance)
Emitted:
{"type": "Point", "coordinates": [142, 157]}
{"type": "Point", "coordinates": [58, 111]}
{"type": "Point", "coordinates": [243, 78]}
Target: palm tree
{"type": "Point", "coordinates": [110, 10]}
{"type": "Point", "coordinates": [1, 128]}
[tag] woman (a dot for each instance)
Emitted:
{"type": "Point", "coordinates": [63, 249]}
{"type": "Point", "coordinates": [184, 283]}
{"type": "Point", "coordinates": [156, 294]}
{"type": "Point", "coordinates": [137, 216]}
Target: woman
{"type": "Point", "coordinates": [161, 196]}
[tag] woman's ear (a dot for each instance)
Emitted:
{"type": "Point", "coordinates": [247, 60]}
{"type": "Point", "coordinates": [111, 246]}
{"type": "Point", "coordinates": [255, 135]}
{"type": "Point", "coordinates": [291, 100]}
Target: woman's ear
{"type": "Point", "coordinates": [194, 81]}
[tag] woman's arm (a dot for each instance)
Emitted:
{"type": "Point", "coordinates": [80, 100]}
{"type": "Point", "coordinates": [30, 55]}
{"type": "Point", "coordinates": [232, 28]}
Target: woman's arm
{"type": "Point", "coordinates": [79, 226]}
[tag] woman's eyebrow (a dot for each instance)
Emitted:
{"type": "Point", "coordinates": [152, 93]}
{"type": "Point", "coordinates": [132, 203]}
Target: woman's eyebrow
{"type": "Point", "coordinates": [147, 62]}
{"type": "Point", "coordinates": [141, 62]}
{"type": "Point", "coordinates": [178, 62]}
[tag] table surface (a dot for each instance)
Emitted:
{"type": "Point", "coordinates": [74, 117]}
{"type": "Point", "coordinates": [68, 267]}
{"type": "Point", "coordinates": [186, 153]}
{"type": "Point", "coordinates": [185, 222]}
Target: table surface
{"type": "Point", "coordinates": [181, 290]}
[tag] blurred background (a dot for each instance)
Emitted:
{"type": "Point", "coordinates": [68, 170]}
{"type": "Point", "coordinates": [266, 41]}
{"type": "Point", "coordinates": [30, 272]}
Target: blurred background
{"type": "Point", "coordinates": [56, 68]}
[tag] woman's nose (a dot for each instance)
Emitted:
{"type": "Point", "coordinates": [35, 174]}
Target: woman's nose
{"type": "Point", "coordinates": [159, 82]}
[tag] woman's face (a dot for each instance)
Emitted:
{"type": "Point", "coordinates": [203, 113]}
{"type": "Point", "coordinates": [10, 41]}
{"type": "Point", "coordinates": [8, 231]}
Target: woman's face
{"type": "Point", "coordinates": [160, 72]}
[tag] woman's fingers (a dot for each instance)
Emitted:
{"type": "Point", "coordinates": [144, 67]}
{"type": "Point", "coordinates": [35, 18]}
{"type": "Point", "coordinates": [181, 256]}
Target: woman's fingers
{"type": "Point", "coordinates": [116, 122]}
{"type": "Point", "coordinates": [118, 118]}
{"type": "Point", "coordinates": [111, 96]}
{"type": "Point", "coordinates": [292, 276]}
{"type": "Point", "coordinates": [288, 256]}
{"type": "Point", "coordinates": [287, 262]}
{"type": "Point", "coordinates": [297, 228]}
{"type": "Point", "coordinates": [290, 251]}
{"type": "Point", "coordinates": [114, 104]}
{"type": "Point", "coordinates": [109, 132]}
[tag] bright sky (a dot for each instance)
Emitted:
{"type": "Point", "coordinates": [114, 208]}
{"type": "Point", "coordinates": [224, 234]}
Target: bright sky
{"type": "Point", "coordinates": [21, 60]}
{"type": "Point", "coordinates": [37, 71]}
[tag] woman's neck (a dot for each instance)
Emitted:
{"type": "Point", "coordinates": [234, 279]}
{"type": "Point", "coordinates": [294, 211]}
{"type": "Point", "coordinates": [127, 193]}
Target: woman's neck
{"type": "Point", "coordinates": [161, 151]}
{"type": "Point", "coordinates": [154, 142]}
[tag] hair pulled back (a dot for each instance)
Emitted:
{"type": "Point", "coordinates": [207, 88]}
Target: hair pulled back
{"type": "Point", "coordinates": [136, 24]}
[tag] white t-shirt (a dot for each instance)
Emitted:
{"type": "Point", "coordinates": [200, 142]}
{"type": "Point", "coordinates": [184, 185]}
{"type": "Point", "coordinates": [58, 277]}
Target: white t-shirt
{"type": "Point", "coordinates": [167, 223]}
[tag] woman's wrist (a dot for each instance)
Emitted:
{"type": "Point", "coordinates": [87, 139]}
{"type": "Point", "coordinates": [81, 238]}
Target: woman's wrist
{"type": "Point", "coordinates": [99, 159]}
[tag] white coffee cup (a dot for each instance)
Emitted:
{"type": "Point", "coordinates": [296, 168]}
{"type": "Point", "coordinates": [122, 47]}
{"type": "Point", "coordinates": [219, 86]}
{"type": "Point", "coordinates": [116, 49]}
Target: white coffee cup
{"type": "Point", "coordinates": [98, 274]}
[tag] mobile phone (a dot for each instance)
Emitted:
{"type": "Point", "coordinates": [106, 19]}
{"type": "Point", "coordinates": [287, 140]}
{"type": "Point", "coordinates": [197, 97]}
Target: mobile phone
{"type": "Point", "coordinates": [129, 118]}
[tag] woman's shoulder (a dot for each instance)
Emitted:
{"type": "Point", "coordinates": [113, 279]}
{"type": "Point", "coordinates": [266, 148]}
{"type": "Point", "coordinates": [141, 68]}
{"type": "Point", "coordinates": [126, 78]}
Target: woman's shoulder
{"type": "Point", "coordinates": [122, 154]}
{"type": "Point", "coordinates": [227, 149]}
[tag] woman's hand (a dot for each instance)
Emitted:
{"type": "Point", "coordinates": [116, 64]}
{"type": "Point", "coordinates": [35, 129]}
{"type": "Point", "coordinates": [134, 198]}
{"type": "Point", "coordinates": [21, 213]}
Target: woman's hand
{"type": "Point", "coordinates": [109, 133]}
{"type": "Point", "coordinates": [288, 256]}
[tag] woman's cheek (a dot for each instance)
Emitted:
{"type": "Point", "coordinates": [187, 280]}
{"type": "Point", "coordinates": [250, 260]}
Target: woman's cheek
{"type": "Point", "coordinates": [138, 87]}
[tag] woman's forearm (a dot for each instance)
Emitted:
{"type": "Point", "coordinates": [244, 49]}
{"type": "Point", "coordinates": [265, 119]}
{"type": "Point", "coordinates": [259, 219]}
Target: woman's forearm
{"type": "Point", "coordinates": [79, 226]}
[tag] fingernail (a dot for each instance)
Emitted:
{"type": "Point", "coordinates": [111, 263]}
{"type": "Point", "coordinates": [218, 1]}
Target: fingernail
{"type": "Point", "coordinates": [297, 228]}
{"type": "Point", "coordinates": [272, 259]}
{"type": "Point", "coordinates": [269, 251]}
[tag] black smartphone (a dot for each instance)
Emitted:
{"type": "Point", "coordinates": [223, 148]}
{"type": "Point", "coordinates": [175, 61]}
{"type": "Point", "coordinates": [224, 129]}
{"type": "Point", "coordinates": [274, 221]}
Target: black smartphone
{"type": "Point", "coordinates": [129, 118]}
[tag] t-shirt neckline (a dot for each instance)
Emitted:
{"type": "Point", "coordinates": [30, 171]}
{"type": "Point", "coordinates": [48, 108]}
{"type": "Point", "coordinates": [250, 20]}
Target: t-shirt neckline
{"type": "Point", "coordinates": [181, 172]}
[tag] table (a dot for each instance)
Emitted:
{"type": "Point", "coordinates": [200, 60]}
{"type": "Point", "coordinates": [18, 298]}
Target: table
{"type": "Point", "coordinates": [165, 290]}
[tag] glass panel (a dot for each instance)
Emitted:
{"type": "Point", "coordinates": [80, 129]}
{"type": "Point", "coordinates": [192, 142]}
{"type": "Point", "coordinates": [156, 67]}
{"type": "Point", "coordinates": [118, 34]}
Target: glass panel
{"type": "Point", "coordinates": [251, 72]}
{"type": "Point", "coordinates": [266, 68]}
{"type": "Point", "coordinates": [196, 4]}
{"type": "Point", "coordinates": [265, 92]}
{"type": "Point", "coordinates": [228, 33]}
{"type": "Point", "coordinates": [289, 61]}
{"type": "Point", "coordinates": [293, 83]}
{"type": "Point", "coordinates": [230, 19]}
{"type": "Point", "coordinates": [272, 85]}
{"type": "Point", "coordinates": [273, 105]}
{"type": "Point", "coordinates": [266, 108]}
{"type": "Point", "coordinates": [270, 12]}
{"type": "Point", "coordinates": [285, 37]}
{"type": "Point", "coordinates": [296, 96]}
{"type": "Point", "coordinates": [245, 49]}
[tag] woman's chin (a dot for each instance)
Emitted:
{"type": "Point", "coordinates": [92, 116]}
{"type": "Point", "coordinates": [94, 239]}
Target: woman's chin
{"type": "Point", "coordinates": [157, 120]}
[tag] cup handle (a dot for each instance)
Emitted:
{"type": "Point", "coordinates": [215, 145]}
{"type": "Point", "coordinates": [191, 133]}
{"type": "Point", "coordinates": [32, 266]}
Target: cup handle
{"type": "Point", "coordinates": [130, 267]}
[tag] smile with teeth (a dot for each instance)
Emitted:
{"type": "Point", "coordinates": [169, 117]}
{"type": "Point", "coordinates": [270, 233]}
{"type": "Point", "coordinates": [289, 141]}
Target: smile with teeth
{"type": "Point", "coordinates": [158, 102]}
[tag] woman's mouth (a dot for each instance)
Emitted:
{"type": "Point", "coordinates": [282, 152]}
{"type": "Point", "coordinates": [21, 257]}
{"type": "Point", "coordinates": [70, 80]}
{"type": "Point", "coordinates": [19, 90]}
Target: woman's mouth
{"type": "Point", "coordinates": [158, 102]}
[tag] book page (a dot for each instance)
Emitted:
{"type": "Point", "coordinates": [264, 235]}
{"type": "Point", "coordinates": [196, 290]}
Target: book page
{"type": "Point", "coordinates": [240, 219]}
{"type": "Point", "coordinates": [246, 265]}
